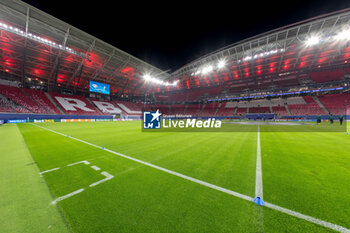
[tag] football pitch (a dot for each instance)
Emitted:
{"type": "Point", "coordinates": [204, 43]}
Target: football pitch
{"type": "Point", "coordinates": [112, 177]}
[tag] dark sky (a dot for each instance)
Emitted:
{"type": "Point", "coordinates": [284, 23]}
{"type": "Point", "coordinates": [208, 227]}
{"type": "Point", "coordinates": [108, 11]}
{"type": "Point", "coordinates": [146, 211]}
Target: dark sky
{"type": "Point", "coordinates": [170, 34]}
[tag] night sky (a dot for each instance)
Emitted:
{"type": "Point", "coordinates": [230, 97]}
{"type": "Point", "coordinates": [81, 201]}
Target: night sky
{"type": "Point", "coordinates": [170, 34]}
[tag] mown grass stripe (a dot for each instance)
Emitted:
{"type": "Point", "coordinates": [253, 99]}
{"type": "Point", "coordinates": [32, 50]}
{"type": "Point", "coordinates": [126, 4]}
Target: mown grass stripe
{"type": "Point", "coordinates": [230, 192]}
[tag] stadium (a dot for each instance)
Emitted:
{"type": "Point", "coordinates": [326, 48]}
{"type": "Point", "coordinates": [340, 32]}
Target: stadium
{"type": "Point", "coordinates": [252, 137]}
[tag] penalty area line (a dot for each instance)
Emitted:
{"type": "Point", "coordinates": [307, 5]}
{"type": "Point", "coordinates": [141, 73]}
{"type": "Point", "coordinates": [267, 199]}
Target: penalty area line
{"type": "Point", "coordinates": [108, 177]}
{"type": "Point", "coordinates": [95, 168]}
{"type": "Point", "coordinates": [212, 186]}
{"type": "Point", "coordinates": [66, 196]}
{"type": "Point", "coordinates": [84, 162]}
{"type": "Point", "coordinates": [53, 169]}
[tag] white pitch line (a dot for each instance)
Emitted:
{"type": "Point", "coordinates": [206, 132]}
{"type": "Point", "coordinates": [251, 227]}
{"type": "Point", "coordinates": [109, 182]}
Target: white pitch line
{"type": "Point", "coordinates": [108, 177]}
{"type": "Point", "coordinates": [258, 211]}
{"type": "Point", "coordinates": [230, 192]}
{"type": "Point", "coordinates": [258, 176]}
{"type": "Point", "coordinates": [84, 161]}
{"type": "Point", "coordinates": [95, 168]}
{"type": "Point", "coordinates": [184, 176]}
{"type": "Point", "coordinates": [66, 196]}
{"type": "Point", "coordinates": [308, 218]}
{"type": "Point", "coordinates": [53, 169]}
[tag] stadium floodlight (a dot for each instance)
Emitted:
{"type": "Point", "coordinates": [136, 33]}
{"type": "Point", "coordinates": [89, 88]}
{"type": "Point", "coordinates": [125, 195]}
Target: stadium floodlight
{"type": "Point", "coordinates": [247, 58]}
{"type": "Point", "coordinates": [313, 40]}
{"type": "Point", "coordinates": [207, 69]}
{"type": "Point", "coordinates": [147, 77]}
{"type": "Point", "coordinates": [221, 64]}
{"type": "Point", "coordinates": [158, 81]}
{"type": "Point", "coordinates": [343, 35]}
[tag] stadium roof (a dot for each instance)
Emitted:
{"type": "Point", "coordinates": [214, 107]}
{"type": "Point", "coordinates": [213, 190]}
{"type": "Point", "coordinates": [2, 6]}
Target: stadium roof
{"type": "Point", "coordinates": [317, 43]}
{"type": "Point", "coordinates": [37, 45]}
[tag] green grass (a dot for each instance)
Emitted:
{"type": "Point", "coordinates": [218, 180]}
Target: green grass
{"type": "Point", "coordinates": [305, 172]}
{"type": "Point", "coordinates": [24, 195]}
{"type": "Point", "coordinates": [312, 171]}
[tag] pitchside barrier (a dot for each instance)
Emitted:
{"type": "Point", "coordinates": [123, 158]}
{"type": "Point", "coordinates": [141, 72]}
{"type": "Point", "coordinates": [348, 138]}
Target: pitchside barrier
{"type": "Point", "coordinates": [260, 116]}
{"type": "Point", "coordinates": [311, 118]}
{"type": "Point", "coordinates": [268, 117]}
{"type": "Point", "coordinates": [57, 120]}
{"type": "Point", "coordinates": [22, 118]}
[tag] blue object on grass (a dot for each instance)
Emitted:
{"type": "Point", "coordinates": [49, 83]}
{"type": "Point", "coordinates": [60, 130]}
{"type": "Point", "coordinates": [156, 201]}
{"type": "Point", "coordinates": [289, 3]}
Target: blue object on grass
{"type": "Point", "coordinates": [258, 201]}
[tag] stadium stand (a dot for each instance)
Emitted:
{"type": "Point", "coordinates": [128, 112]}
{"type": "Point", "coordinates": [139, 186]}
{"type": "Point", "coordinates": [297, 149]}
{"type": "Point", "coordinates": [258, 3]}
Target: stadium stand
{"type": "Point", "coordinates": [225, 111]}
{"type": "Point", "coordinates": [18, 96]}
{"type": "Point", "coordinates": [241, 111]}
{"type": "Point", "coordinates": [40, 97]}
{"type": "Point", "coordinates": [209, 109]}
{"type": "Point", "coordinates": [212, 92]}
{"type": "Point", "coordinates": [105, 107]}
{"type": "Point", "coordinates": [304, 106]}
{"type": "Point", "coordinates": [178, 109]}
{"type": "Point", "coordinates": [8, 106]}
{"type": "Point", "coordinates": [23, 100]}
{"type": "Point", "coordinates": [177, 97]}
{"type": "Point", "coordinates": [286, 82]}
{"type": "Point", "coordinates": [73, 104]}
{"type": "Point", "coordinates": [162, 98]}
{"type": "Point", "coordinates": [336, 104]}
{"type": "Point", "coordinates": [193, 109]}
{"type": "Point", "coordinates": [163, 108]}
{"type": "Point", "coordinates": [259, 110]}
{"type": "Point", "coordinates": [128, 108]}
{"type": "Point", "coordinates": [280, 110]}
{"type": "Point", "coordinates": [326, 76]}
{"type": "Point", "coordinates": [195, 95]}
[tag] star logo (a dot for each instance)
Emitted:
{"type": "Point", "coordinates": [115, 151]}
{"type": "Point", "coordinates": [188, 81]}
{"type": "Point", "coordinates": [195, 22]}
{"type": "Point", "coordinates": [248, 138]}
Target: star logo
{"type": "Point", "coordinates": [156, 115]}
{"type": "Point", "coordinates": [152, 120]}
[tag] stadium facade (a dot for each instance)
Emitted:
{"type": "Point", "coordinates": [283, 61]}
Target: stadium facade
{"type": "Point", "coordinates": [299, 71]}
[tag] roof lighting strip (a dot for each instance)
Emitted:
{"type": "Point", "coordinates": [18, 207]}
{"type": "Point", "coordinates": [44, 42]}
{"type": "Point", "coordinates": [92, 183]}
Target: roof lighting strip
{"type": "Point", "coordinates": [39, 39]}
